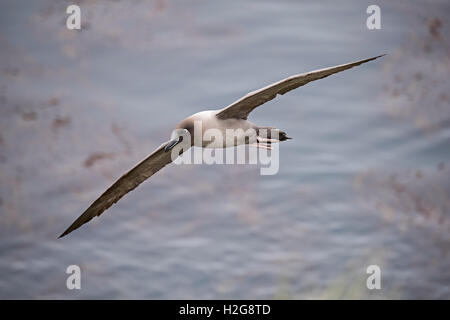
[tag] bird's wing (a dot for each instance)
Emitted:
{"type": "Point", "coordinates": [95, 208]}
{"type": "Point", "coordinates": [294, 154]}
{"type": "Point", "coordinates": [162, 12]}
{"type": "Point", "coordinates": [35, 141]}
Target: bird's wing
{"type": "Point", "coordinates": [241, 108]}
{"type": "Point", "coordinates": [130, 180]}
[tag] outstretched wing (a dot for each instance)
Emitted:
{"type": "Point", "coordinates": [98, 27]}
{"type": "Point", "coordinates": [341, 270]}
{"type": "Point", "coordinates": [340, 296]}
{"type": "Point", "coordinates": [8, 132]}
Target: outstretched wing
{"type": "Point", "coordinates": [241, 108]}
{"type": "Point", "coordinates": [130, 180]}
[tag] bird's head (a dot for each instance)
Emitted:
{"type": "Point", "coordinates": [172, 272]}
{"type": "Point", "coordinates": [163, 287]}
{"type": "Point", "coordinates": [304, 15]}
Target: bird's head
{"type": "Point", "coordinates": [184, 132]}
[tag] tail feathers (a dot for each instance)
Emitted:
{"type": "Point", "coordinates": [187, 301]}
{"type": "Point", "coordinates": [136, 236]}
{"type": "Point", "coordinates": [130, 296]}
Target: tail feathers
{"type": "Point", "coordinates": [267, 133]}
{"type": "Point", "coordinates": [283, 136]}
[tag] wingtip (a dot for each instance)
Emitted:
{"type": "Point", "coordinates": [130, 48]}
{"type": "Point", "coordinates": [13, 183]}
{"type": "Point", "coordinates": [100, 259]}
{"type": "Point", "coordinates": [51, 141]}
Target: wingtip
{"type": "Point", "coordinates": [370, 59]}
{"type": "Point", "coordinates": [62, 235]}
{"type": "Point", "coordinates": [381, 55]}
{"type": "Point", "coordinates": [66, 232]}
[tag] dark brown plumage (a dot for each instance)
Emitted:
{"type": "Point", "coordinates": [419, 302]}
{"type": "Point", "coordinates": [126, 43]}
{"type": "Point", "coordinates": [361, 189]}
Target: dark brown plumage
{"type": "Point", "coordinates": [129, 181]}
{"type": "Point", "coordinates": [242, 107]}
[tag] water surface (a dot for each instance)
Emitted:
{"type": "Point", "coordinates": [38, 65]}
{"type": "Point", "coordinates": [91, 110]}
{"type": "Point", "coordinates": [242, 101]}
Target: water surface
{"type": "Point", "coordinates": [364, 181]}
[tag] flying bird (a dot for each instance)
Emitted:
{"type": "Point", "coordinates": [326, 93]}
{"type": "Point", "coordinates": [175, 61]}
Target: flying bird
{"type": "Point", "coordinates": [233, 116]}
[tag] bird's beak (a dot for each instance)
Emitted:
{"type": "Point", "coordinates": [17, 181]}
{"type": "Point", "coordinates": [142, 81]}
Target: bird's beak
{"type": "Point", "coordinates": [171, 144]}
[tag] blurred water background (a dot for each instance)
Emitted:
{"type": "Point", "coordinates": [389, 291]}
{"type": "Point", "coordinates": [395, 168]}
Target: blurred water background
{"type": "Point", "coordinates": [364, 181]}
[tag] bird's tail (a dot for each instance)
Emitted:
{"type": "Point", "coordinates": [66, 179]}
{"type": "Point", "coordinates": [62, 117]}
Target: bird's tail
{"type": "Point", "coordinates": [271, 134]}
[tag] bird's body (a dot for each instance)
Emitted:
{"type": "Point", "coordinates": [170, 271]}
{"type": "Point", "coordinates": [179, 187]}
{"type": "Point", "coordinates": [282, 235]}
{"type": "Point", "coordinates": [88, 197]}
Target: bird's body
{"type": "Point", "coordinates": [208, 120]}
{"type": "Point", "coordinates": [231, 118]}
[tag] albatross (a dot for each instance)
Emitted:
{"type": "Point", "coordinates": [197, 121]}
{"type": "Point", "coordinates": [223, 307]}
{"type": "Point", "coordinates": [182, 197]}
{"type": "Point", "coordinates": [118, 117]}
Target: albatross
{"type": "Point", "coordinates": [234, 116]}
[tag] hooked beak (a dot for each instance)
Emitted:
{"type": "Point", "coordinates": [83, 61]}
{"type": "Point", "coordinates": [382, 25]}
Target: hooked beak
{"type": "Point", "coordinates": [172, 143]}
